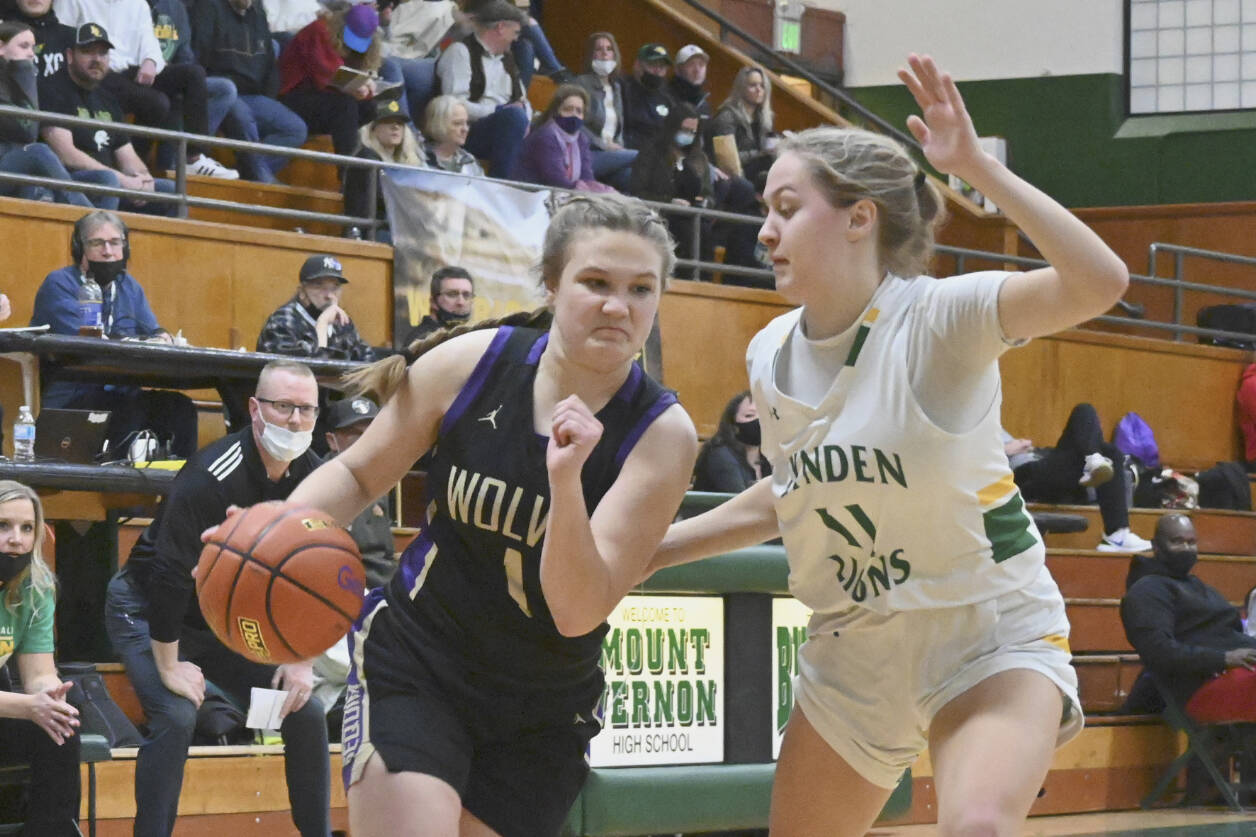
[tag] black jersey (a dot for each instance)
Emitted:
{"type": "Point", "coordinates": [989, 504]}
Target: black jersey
{"type": "Point", "coordinates": [468, 592]}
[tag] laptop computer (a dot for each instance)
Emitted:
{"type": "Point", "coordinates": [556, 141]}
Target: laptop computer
{"type": "Point", "coordinates": [76, 436]}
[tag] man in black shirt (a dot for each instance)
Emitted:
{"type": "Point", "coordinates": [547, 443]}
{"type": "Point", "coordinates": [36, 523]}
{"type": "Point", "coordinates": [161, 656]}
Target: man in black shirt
{"type": "Point", "coordinates": [453, 294]}
{"type": "Point", "coordinates": [159, 633]}
{"type": "Point", "coordinates": [647, 101]}
{"type": "Point", "coordinates": [77, 92]}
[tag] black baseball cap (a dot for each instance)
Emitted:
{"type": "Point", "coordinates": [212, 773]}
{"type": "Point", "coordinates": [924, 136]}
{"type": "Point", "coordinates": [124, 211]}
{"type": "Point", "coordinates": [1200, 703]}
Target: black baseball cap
{"type": "Point", "coordinates": [91, 33]}
{"type": "Point", "coordinates": [350, 411]}
{"type": "Point", "coordinates": [390, 110]}
{"type": "Point", "coordinates": [322, 265]}
{"type": "Point", "coordinates": [654, 54]}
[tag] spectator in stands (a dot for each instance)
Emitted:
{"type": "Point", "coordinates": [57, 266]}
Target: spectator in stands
{"type": "Point", "coordinates": [676, 170]}
{"type": "Point", "coordinates": [159, 634]}
{"type": "Point", "coordinates": [530, 49]}
{"type": "Point", "coordinates": [447, 125]}
{"type": "Point", "coordinates": [480, 70]}
{"type": "Point", "coordinates": [288, 17]}
{"type": "Point", "coordinates": [38, 727]}
{"type": "Point", "coordinates": [20, 149]}
{"type": "Point", "coordinates": [746, 116]}
{"type": "Point", "coordinates": [604, 117]}
{"type": "Point", "coordinates": [406, 45]}
{"type": "Point", "coordinates": [1186, 632]}
{"type": "Point", "coordinates": [688, 81]}
{"type": "Point", "coordinates": [101, 246]}
{"type": "Point", "coordinates": [1246, 398]}
{"type": "Point", "coordinates": [556, 151]}
{"type": "Point", "coordinates": [52, 37]}
{"type": "Point", "coordinates": [387, 137]}
{"type": "Point", "coordinates": [232, 41]}
{"type": "Point", "coordinates": [452, 295]}
{"type": "Point", "coordinates": [730, 460]}
{"type": "Point", "coordinates": [308, 66]}
{"type": "Point", "coordinates": [346, 421]}
{"type": "Point", "coordinates": [646, 100]}
{"type": "Point", "coordinates": [1080, 460]}
{"type": "Point", "coordinates": [312, 323]}
{"type": "Point", "coordinates": [159, 94]}
{"type": "Point", "coordinates": [78, 91]}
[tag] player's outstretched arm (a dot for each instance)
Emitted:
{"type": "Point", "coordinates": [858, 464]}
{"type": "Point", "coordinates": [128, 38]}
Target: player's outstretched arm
{"type": "Point", "coordinates": [1085, 278]}
{"type": "Point", "coordinates": [746, 520]}
{"type": "Point", "coordinates": [589, 564]}
{"type": "Point", "coordinates": [403, 431]}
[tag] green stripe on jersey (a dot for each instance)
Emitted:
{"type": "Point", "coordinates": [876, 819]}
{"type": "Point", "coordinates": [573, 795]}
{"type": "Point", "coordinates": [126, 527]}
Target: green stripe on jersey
{"type": "Point", "coordinates": [857, 346]}
{"type": "Point", "coordinates": [1008, 528]}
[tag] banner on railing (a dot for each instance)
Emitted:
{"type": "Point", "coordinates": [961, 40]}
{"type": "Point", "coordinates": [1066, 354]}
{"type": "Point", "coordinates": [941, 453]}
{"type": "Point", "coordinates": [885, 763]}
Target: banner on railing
{"type": "Point", "coordinates": [664, 701]}
{"type": "Point", "coordinates": [789, 631]}
{"type": "Point", "coordinates": [493, 230]}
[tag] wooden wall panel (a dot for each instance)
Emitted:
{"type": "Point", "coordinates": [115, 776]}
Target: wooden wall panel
{"type": "Point", "coordinates": [1185, 392]}
{"type": "Point", "coordinates": [705, 330]}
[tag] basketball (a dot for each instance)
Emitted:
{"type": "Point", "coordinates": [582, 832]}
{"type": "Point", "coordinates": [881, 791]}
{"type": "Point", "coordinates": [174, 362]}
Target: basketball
{"type": "Point", "coordinates": [278, 582]}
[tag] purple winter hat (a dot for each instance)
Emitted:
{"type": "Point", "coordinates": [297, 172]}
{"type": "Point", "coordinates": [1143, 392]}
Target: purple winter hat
{"type": "Point", "coordinates": [360, 25]}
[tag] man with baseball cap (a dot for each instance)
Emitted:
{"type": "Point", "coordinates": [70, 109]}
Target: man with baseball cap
{"type": "Point", "coordinates": [312, 323]}
{"type": "Point", "coordinates": [345, 422]}
{"type": "Point", "coordinates": [689, 82]}
{"type": "Point", "coordinates": [646, 99]}
{"type": "Point", "coordinates": [96, 148]}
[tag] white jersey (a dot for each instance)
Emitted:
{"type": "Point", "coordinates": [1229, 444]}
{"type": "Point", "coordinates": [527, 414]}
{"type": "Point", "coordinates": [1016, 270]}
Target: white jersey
{"type": "Point", "coordinates": [879, 507]}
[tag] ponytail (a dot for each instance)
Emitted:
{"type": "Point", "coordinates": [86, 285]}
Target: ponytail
{"type": "Point", "coordinates": [384, 377]}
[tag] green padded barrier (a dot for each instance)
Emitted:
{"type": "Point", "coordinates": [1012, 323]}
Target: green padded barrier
{"type": "Point", "coordinates": [696, 502]}
{"type": "Point", "coordinates": [625, 801]}
{"type": "Point", "coordinates": [757, 569]}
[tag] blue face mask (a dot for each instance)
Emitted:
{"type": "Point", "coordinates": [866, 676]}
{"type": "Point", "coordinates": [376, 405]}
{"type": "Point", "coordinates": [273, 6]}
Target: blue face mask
{"type": "Point", "coordinates": [684, 138]}
{"type": "Point", "coordinates": [570, 124]}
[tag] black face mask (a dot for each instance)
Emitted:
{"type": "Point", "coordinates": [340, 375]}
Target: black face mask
{"type": "Point", "coordinates": [747, 432]}
{"type": "Point", "coordinates": [1178, 563]}
{"type": "Point", "coordinates": [12, 565]}
{"type": "Point", "coordinates": [450, 319]}
{"type": "Point", "coordinates": [651, 82]}
{"type": "Point", "coordinates": [105, 272]}
{"type": "Point", "coordinates": [311, 310]}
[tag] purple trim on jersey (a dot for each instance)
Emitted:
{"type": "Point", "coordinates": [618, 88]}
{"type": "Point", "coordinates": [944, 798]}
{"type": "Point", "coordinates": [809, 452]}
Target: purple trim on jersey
{"type": "Point", "coordinates": [632, 384]}
{"type": "Point", "coordinates": [666, 399]}
{"type": "Point", "coordinates": [478, 376]}
{"type": "Point", "coordinates": [413, 560]}
{"type": "Point", "coordinates": [534, 354]}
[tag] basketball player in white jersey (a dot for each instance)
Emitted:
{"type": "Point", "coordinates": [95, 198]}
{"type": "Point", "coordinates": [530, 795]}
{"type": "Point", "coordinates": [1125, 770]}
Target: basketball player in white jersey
{"type": "Point", "coordinates": [935, 621]}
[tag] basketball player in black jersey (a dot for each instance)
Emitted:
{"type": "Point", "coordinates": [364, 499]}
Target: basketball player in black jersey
{"type": "Point", "coordinates": [557, 465]}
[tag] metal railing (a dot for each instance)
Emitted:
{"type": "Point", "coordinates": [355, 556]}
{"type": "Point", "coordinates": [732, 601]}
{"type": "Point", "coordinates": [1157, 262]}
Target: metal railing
{"type": "Point", "coordinates": [763, 276]}
{"type": "Point", "coordinates": [963, 256]}
{"type": "Point", "coordinates": [182, 140]}
{"type": "Point", "coordinates": [776, 58]}
{"type": "Point", "coordinates": [1179, 283]}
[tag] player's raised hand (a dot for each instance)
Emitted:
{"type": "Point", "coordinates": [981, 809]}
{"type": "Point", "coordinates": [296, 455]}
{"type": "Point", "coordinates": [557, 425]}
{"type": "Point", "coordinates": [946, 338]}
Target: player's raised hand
{"type": "Point", "coordinates": [574, 431]}
{"type": "Point", "coordinates": [944, 129]}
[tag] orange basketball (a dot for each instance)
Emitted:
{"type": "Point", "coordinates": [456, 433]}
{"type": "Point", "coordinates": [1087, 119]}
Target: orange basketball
{"type": "Point", "coordinates": [280, 582]}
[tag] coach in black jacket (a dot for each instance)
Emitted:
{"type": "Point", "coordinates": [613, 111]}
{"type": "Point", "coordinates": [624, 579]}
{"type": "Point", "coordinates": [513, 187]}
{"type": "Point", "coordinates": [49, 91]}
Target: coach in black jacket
{"type": "Point", "coordinates": [157, 629]}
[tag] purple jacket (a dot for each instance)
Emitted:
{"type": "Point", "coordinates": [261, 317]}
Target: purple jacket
{"type": "Point", "coordinates": [544, 161]}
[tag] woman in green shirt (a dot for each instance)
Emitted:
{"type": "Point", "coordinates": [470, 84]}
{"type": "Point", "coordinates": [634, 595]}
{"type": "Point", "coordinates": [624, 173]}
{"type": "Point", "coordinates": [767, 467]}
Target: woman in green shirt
{"type": "Point", "coordinates": [37, 726]}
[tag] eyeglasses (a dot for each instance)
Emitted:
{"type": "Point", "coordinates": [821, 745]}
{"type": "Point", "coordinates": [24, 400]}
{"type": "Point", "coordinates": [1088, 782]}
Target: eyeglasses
{"type": "Point", "coordinates": [285, 408]}
{"type": "Point", "coordinates": [468, 295]}
{"type": "Point", "coordinates": [101, 243]}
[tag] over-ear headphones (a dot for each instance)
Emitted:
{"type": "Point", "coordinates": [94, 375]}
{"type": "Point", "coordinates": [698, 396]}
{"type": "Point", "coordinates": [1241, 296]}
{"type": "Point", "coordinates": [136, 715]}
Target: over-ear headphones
{"type": "Point", "coordinates": [78, 238]}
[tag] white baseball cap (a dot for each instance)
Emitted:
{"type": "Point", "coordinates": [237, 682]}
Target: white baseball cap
{"type": "Point", "coordinates": [690, 51]}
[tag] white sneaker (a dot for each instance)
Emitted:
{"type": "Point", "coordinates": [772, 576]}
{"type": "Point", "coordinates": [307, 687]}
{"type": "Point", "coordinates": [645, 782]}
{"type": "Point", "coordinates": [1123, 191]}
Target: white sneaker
{"type": "Point", "coordinates": [1123, 540]}
{"type": "Point", "coordinates": [1096, 471]}
{"type": "Point", "coordinates": [207, 166]}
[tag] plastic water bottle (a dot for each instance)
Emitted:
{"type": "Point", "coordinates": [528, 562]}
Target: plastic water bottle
{"type": "Point", "coordinates": [90, 305]}
{"type": "Point", "coordinates": [24, 435]}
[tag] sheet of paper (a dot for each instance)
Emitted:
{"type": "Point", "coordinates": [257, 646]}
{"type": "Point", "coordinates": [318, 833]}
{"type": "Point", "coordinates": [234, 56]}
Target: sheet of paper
{"type": "Point", "coordinates": [264, 706]}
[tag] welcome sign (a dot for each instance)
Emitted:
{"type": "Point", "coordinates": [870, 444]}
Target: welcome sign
{"type": "Point", "coordinates": [664, 700]}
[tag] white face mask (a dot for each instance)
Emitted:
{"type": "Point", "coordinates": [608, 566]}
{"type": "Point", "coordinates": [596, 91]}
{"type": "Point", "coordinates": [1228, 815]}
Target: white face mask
{"type": "Point", "coordinates": [603, 66]}
{"type": "Point", "coordinates": [284, 444]}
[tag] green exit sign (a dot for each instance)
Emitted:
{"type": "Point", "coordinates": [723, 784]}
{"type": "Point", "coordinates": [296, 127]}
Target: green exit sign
{"type": "Point", "coordinates": [789, 36]}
